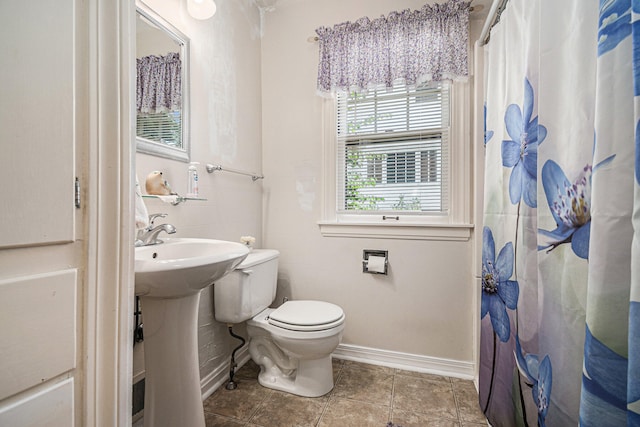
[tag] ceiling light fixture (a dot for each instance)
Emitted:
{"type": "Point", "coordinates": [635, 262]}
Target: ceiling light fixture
{"type": "Point", "coordinates": [201, 9]}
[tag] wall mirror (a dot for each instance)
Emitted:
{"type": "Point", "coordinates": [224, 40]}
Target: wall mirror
{"type": "Point", "coordinates": [162, 87]}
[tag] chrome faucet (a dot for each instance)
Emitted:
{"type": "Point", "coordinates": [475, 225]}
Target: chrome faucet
{"type": "Point", "coordinates": [149, 235]}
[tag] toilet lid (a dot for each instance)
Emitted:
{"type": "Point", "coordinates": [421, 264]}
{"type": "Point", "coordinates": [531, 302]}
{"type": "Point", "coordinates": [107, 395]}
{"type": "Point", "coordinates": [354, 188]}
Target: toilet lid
{"type": "Point", "coordinates": [307, 315]}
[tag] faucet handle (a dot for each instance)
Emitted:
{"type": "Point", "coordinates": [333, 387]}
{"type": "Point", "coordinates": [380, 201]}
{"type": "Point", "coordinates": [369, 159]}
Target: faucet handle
{"type": "Point", "coordinates": [152, 217]}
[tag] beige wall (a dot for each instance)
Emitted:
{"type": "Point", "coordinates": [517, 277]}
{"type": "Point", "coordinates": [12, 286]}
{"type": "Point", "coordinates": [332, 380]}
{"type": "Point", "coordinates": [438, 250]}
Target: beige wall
{"type": "Point", "coordinates": [254, 107]}
{"type": "Point", "coordinates": [225, 129]}
{"type": "Point", "coordinates": [426, 305]}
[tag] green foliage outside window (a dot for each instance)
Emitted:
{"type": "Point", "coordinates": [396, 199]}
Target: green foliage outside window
{"type": "Point", "coordinates": [356, 180]}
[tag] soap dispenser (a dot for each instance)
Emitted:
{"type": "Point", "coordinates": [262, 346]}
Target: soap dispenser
{"type": "Point", "coordinates": [192, 181]}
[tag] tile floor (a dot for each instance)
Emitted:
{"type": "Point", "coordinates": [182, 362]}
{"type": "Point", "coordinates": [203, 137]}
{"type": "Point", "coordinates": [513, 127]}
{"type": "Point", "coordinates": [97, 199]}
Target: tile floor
{"type": "Point", "coordinates": [364, 395]}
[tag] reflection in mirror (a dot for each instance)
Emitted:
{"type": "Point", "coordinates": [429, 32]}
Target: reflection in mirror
{"type": "Point", "coordinates": [162, 61]}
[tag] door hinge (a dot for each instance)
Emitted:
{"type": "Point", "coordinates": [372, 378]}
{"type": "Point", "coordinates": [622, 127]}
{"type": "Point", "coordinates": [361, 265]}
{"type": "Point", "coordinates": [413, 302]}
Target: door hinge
{"type": "Point", "coordinates": [77, 193]}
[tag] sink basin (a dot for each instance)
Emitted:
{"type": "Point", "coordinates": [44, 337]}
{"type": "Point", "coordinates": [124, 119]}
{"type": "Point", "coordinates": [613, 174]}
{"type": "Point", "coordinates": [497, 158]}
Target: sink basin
{"type": "Point", "coordinates": [184, 266]}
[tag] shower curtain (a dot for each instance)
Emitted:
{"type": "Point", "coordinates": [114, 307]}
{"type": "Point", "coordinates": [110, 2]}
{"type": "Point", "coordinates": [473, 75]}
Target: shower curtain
{"type": "Point", "coordinates": [560, 328]}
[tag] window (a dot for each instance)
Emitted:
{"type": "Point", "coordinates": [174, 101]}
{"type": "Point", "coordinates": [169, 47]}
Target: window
{"type": "Point", "coordinates": [161, 127]}
{"type": "Point", "coordinates": [392, 151]}
{"type": "Point", "coordinates": [398, 164]}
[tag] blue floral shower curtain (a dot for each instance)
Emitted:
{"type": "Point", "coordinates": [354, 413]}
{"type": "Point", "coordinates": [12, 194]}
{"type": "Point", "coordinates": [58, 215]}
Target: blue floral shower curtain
{"type": "Point", "coordinates": [560, 339]}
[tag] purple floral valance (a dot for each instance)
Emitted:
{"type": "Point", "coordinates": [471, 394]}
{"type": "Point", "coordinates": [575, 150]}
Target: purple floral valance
{"type": "Point", "coordinates": [430, 44]}
{"type": "Point", "coordinates": [159, 85]}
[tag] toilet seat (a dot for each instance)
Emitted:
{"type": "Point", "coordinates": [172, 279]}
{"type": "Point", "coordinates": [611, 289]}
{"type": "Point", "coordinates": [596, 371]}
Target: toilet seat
{"type": "Point", "coordinates": [307, 316]}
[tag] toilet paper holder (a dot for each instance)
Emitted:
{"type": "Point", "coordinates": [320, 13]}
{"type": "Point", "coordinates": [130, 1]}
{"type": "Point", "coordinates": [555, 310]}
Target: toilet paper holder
{"type": "Point", "coordinates": [377, 253]}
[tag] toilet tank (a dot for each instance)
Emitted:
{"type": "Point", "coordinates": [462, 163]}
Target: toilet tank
{"type": "Point", "coordinates": [247, 290]}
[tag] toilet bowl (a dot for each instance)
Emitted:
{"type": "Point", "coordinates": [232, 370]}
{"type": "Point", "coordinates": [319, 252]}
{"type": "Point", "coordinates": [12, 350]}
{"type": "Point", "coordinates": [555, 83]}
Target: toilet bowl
{"type": "Point", "coordinates": [293, 343]}
{"type": "Point", "coordinates": [294, 352]}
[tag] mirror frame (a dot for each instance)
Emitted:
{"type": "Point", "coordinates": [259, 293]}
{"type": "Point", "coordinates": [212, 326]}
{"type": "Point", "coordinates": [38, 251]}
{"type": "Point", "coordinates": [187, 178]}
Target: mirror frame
{"type": "Point", "coordinates": [155, 148]}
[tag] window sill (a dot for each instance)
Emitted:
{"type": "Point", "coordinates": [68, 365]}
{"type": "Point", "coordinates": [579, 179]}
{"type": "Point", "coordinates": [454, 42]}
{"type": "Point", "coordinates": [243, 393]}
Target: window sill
{"type": "Point", "coordinates": [408, 231]}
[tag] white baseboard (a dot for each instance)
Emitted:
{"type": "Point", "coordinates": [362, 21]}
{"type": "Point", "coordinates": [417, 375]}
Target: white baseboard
{"type": "Point", "coordinates": [220, 375]}
{"type": "Point", "coordinates": [394, 359]}
{"type": "Point", "coordinates": [406, 361]}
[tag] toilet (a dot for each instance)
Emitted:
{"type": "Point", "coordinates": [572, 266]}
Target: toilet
{"type": "Point", "coordinates": [293, 343]}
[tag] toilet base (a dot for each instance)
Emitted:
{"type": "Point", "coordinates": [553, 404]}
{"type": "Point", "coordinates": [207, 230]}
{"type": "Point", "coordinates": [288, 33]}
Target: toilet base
{"type": "Point", "coordinates": [311, 378]}
{"type": "Point", "coordinates": [292, 361]}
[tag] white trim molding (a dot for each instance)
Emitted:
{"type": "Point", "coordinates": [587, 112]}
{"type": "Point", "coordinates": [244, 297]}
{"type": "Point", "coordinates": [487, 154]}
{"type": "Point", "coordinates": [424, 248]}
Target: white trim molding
{"type": "Point", "coordinates": [408, 231]}
{"type": "Point", "coordinates": [109, 292]}
{"type": "Point", "coordinates": [406, 361]}
{"type": "Point", "coordinates": [373, 356]}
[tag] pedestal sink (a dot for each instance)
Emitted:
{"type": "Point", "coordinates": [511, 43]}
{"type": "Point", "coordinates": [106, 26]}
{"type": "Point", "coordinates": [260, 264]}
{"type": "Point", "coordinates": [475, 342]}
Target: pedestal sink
{"type": "Point", "coordinates": [168, 279]}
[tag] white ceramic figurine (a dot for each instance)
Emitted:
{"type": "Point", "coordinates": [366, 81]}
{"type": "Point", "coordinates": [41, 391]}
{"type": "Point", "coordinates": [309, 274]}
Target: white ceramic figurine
{"type": "Point", "coordinates": [157, 185]}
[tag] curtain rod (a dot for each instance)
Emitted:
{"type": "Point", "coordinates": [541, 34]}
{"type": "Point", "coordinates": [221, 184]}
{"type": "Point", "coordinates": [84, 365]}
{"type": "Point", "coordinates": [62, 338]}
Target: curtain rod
{"type": "Point", "coordinates": [497, 7]}
{"type": "Point", "coordinates": [212, 168]}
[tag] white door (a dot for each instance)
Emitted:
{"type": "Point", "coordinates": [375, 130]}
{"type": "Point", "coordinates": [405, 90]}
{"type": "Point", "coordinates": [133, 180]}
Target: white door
{"type": "Point", "coordinates": [43, 126]}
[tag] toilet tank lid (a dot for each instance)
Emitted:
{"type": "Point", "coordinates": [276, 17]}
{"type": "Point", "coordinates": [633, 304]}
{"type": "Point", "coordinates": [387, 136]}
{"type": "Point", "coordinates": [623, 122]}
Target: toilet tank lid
{"type": "Point", "coordinates": [258, 256]}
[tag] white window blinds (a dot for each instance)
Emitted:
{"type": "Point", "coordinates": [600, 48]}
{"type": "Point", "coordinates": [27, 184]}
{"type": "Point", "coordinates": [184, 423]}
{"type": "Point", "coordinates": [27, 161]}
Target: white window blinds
{"type": "Point", "coordinates": [163, 127]}
{"type": "Point", "coordinates": [393, 151]}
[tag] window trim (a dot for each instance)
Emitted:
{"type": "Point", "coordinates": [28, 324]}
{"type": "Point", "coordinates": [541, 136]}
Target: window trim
{"type": "Point", "coordinates": [456, 225]}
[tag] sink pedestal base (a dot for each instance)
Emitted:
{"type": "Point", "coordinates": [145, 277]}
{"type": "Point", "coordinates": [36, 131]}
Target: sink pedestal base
{"type": "Point", "coordinates": [172, 373]}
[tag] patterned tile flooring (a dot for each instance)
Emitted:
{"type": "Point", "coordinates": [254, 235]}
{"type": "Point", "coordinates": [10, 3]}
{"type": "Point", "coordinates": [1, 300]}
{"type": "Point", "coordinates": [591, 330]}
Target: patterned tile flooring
{"type": "Point", "coordinates": [364, 395]}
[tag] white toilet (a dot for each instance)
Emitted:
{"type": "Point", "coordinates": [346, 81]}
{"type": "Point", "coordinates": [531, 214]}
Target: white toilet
{"type": "Point", "coordinates": [293, 343]}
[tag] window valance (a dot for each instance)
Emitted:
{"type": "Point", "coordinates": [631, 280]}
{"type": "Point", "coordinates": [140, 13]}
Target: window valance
{"type": "Point", "coordinates": [159, 83]}
{"type": "Point", "coordinates": [430, 44]}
